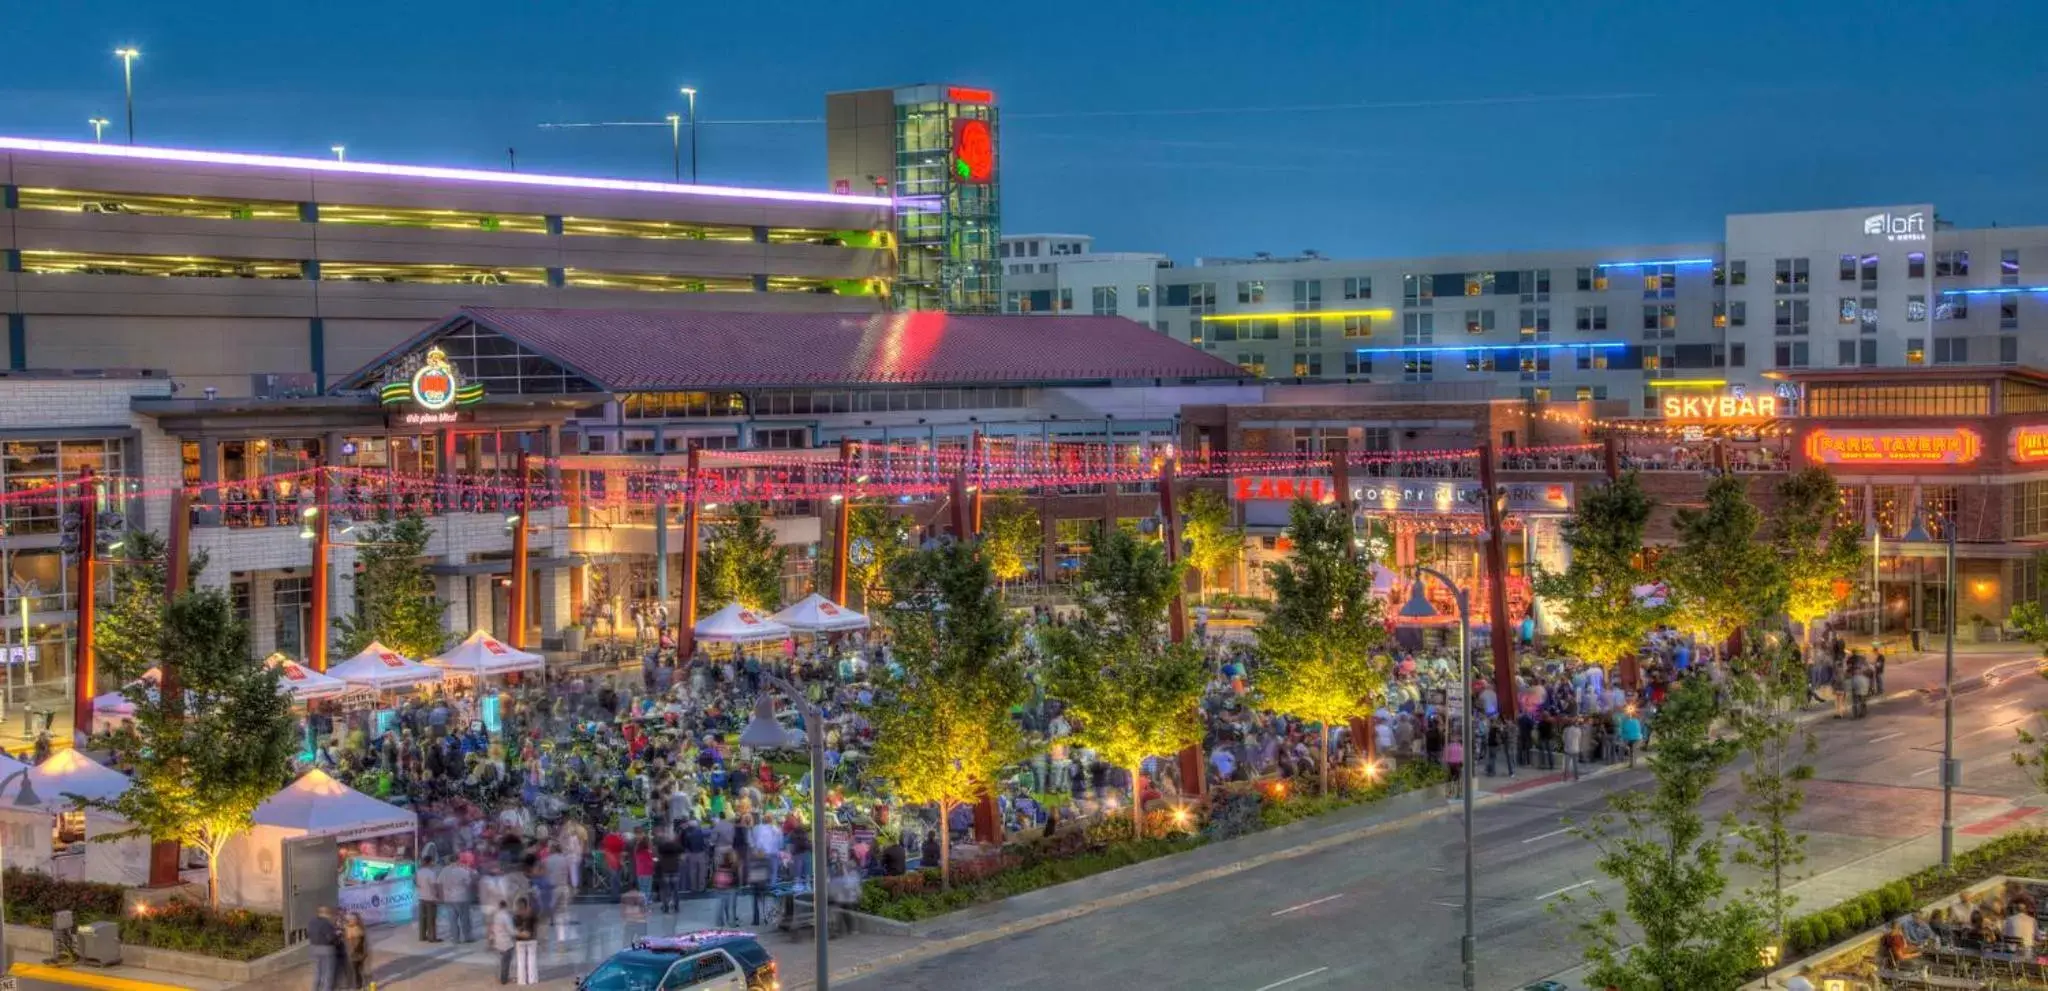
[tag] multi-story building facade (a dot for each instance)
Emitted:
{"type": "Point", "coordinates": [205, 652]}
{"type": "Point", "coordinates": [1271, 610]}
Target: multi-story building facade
{"type": "Point", "coordinates": [1866, 287]}
{"type": "Point", "coordinates": [934, 149]}
{"type": "Point", "coordinates": [264, 275]}
{"type": "Point", "coordinates": [1062, 273]}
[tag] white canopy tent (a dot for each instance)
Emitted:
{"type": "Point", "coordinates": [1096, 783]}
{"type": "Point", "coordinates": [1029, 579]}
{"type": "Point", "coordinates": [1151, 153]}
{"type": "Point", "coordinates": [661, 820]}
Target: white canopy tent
{"type": "Point", "coordinates": [110, 709]}
{"type": "Point", "coordinates": [31, 830]}
{"type": "Point", "coordinates": [816, 614]}
{"type": "Point", "coordinates": [737, 624]}
{"type": "Point", "coordinates": [482, 655]}
{"type": "Point", "coordinates": [314, 805]}
{"type": "Point", "coordinates": [381, 668]}
{"type": "Point", "coordinates": [303, 683]}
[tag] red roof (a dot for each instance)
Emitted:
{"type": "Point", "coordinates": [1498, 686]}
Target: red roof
{"type": "Point", "coordinates": [682, 349]}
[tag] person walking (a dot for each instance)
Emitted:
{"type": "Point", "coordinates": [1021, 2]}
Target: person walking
{"type": "Point", "coordinates": [696, 857]}
{"type": "Point", "coordinates": [1574, 744]}
{"type": "Point", "coordinates": [1859, 692]}
{"type": "Point", "coordinates": [323, 941]}
{"type": "Point", "coordinates": [504, 937]}
{"type": "Point", "coordinates": [457, 885]}
{"type": "Point", "coordinates": [1876, 669]}
{"type": "Point", "coordinates": [1454, 759]}
{"type": "Point", "coordinates": [525, 942]}
{"type": "Point", "coordinates": [725, 881]}
{"type": "Point", "coordinates": [426, 881]}
{"type": "Point", "coordinates": [355, 953]}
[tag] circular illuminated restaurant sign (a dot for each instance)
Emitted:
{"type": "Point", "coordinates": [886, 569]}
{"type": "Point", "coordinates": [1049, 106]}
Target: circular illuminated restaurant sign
{"type": "Point", "coordinates": [2030, 444]}
{"type": "Point", "coordinates": [1951, 446]}
{"type": "Point", "coordinates": [435, 386]}
{"type": "Point", "coordinates": [974, 151]}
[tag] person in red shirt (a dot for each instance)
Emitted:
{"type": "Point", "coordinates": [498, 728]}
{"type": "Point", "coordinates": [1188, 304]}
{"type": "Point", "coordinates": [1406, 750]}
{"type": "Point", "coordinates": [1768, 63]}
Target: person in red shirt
{"type": "Point", "coordinates": [614, 847]}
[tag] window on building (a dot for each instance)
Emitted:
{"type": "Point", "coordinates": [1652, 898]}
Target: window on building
{"type": "Point", "coordinates": [1251, 291]}
{"type": "Point", "coordinates": [1720, 315]}
{"type": "Point", "coordinates": [1308, 365]}
{"type": "Point", "coordinates": [1479, 361]}
{"type": "Point", "coordinates": [1418, 368]}
{"type": "Point", "coordinates": [2009, 267]}
{"type": "Point", "coordinates": [1418, 328]}
{"type": "Point", "coordinates": [1848, 268]}
{"type": "Point", "coordinates": [1916, 350]}
{"type": "Point", "coordinates": [1868, 270]}
{"type": "Point", "coordinates": [1866, 315]}
{"type": "Point", "coordinates": [1591, 360]}
{"type": "Point", "coordinates": [1308, 332]}
{"type": "Point", "coordinates": [1738, 273]}
{"type": "Point", "coordinates": [1585, 280]}
{"type": "Point", "coordinates": [1479, 283]}
{"type": "Point", "coordinates": [1253, 364]}
{"type": "Point", "coordinates": [2009, 313]}
{"type": "Point", "coordinates": [1202, 297]}
{"type": "Point", "coordinates": [1948, 307]}
{"type": "Point", "coordinates": [1660, 281]}
{"type": "Point", "coordinates": [1857, 352]}
{"type": "Point", "coordinates": [1790, 354]}
{"type": "Point", "coordinates": [1308, 294]}
{"type": "Point", "coordinates": [1738, 313]}
{"type": "Point", "coordinates": [1790, 318]}
{"type": "Point", "coordinates": [1790, 276]}
{"type": "Point", "coordinates": [1916, 308]}
{"type": "Point", "coordinates": [1357, 327]}
{"type": "Point", "coordinates": [1013, 301]}
{"type": "Point", "coordinates": [1660, 321]}
{"type": "Point", "coordinates": [1738, 355]}
{"type": "Point", "coordinates": [1066, 298]}
{"type": "Point", "coordinates": [1592, 318]}
{"type": "Point", "coordinates": [2029, 509]}
{"type": "Point", "coordinates": [1535, 324]}
{"type": "Point", "coordinates": [1144, 297]}
{"type": "Point", "coordinates": [1358, 288]}
{"type": "Point", "coordinates": [2009, 350]}
{"type": "Point", "coordinates": [1478, 321]}
{"type": "Point", "coordinates": [1104, 301]}
{"type": "Point", "coordinates": [1916, 265]}
{"type": "Point", "coordinates": [1536, 286]}
{"type": "Point", "coordinates": [1951, 350]}
{"type": "Point", "coordinates": [1949, 264]}
{"type": "Point", "coordinates": [1357, 364]}
{"type": "Point", "coordinates": [1417, 290]}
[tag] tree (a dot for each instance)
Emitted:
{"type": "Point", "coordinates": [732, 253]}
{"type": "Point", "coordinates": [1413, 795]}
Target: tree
{"type": "Point", "coordinates": [203, 761]}
{"type": "Point", "coordinates": [130, 625]}
{"type": "Point", "coordinates": [1818, 550]}
{"type": "Point", "coordinates": [1214, 542]}
{"type": "Point", "coordinates": [1768, 686]}
{"type": "Point", "coordinates": [1318, 645]}
{"type": "Point", "coordinates": [1010, 536]}
{"type": "Point", "coordinates": [741, 562]}
{"type": "Point", "coordinates": [879, 538]}
{"type": "Point", "coordinates": [395, 601]}
{"type": "Point", "coordinates": [943, 732]}
{"type": "Point", "coordinates": [1721, 578]}
{"type": "Point", "coordinates": [1603, 620]}
{"type": "Point", "coordinates": [1657, 846]}
{"type": "Point", "coordinates": [2031, 623]}
{"type": "Point", "coordinates": [1132, 692]}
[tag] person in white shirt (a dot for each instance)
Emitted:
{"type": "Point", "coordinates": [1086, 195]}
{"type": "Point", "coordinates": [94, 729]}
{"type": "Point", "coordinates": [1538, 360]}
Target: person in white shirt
{"type": "Point", "coordinates": [2019, 925]}
{"type": "Point", "coordinates": [766, 839]}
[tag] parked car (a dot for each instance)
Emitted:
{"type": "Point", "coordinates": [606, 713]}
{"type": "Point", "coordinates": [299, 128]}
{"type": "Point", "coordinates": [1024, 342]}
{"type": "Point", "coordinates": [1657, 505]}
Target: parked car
{"type": "Point", "coordinates": [703, 960]}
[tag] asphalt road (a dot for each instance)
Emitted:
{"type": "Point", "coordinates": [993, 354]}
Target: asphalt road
{"type": "Point", "coordinates": [1386, 912]}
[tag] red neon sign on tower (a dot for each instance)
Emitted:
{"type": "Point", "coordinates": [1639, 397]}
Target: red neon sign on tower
{"type": "Point", "coordinates": [974, 152]}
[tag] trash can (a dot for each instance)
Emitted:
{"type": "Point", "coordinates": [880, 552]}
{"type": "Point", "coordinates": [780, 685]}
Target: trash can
{"type": "Point", "coordinates": [99, 943]}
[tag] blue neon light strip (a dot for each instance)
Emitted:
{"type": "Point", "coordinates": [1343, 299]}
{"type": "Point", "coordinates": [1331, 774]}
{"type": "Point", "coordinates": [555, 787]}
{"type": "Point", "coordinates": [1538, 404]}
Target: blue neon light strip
{"type": "Point", "coordinates": [1658, 261]}
{"type": "Point", "coordinates": [1424, 349]}
{"type": "Point", "coordinates": [1999, 291]}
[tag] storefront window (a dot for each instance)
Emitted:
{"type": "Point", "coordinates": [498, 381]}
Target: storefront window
{"type": "Point", "coordinates": [1955, 399]}
{"type": "Point", "coordinates": [292, 611]}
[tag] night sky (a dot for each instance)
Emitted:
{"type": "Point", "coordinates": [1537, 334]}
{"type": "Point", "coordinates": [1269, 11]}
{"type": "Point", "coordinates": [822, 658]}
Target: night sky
{"type": "Point", "coordinates": [1360, 128]}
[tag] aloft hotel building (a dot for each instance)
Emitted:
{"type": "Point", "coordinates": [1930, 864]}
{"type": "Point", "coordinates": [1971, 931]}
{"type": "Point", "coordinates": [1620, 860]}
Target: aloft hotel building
{"type": "Point", "coordinates": [1872, 287]}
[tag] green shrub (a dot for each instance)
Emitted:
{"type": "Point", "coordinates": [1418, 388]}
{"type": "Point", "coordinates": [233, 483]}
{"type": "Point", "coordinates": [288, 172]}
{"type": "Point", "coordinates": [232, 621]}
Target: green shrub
{"type": "Point", "coordinates": [1873, 910]}
{"type": "Point", "coordinates": [33, 899]}
{"type": "Point", "coordinates": [1836, 926]}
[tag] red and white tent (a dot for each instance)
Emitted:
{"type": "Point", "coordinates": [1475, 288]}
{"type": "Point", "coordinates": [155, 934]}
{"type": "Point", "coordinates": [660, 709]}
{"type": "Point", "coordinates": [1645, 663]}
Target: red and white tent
{"type": "Point", "coordinates": [304, 683]}
{"type": "Point", "coordinates": [817, 614]}
{"type": "Point", "coordinates": [379, 667]}
{"type": "Point", "coordinates": [738, 624]}
{"type": "Point", "coordinates": [482, 655]}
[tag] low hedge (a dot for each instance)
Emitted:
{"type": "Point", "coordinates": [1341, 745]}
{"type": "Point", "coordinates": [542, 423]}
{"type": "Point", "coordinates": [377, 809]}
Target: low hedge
{"type": "Point", "coordinates": [1107, 845]}
{"type": "Point", "coordinates": [34, 898]}
{"type": "Point", "coordinates": [2023, 853]}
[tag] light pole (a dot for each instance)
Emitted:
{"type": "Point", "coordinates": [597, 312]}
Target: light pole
{"type": "Point", "coordinates": [25, 798]}
{"type": "Point", "coordinates": [340, 152]}
{"type": "Point", "coordinates": [691, 92]}
{"type": "Point", "coordinates": [128, 57]}
{"type": "Point", "coordinates": [1418, 607]}
{"type": "Point", "coordinates": [1951, 770]}
{"type": "Point", "coordinates": [1876, 588]}
{"type": "Point", "coordinates": [764, 732]}
{"type": "Point", "coordinates": [98, 124]}
{"type": "Point", "coordinates": [24, 591]}
{"type": "Point", "coordinates": [675, 138]}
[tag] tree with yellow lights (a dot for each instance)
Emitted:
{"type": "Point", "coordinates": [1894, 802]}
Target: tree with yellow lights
{"type": "Point", "coordinates": [1721, 578]}
{"type": "Point", "coordinates": [1819, 552]}
{"type": "Point", "coordinates": [1602, 619]}
{"type": "Point", "coordinates": [1010, 537]}
{"type": "Point", "coordinates": [1132, 693]}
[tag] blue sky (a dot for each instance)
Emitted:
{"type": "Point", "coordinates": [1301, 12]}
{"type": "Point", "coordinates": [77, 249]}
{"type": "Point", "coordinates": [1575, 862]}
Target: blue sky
{"type": "Point", "coordinates": [1198, 127]}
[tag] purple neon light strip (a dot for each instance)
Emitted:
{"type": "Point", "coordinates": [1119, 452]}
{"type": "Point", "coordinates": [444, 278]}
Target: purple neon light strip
{"type": "Point", "coordinates": [427, 172]}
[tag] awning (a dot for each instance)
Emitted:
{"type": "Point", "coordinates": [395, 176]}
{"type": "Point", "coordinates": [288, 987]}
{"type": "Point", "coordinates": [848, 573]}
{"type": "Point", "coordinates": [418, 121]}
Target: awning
{"type": "Point", "coordinates": [817, 614]}
{"type": "Point", "coordinates": [738, 624]}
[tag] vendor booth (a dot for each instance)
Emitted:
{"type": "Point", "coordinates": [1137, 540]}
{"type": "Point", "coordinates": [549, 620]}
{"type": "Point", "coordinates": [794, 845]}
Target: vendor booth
{"type": "Point", "coordinates": [54, 833]}
{"type": "Point", "coordinates": [739, 625]}
{"type": "Point", "coordinates": [303, 683]}
{"type": "Point", "coordinates": [480, 657]}
{"type": "Point", "coordinates": [109, 711]}
{"type": "Point", "coordinates": [817, 614]}
{"type": "Point", "coordinates": [380, 668]}
{"type": "Point", "coordinates": [375, 844]}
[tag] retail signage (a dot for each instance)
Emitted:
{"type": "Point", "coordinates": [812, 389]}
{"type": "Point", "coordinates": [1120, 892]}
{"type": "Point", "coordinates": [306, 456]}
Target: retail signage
{"type": "Point", "coordinates": [1911, 226]}
{"type": "Point", "coordinates": [432, 384]}
{"type": "Point", "coordinates": [414, 418]}
{"type": "Point", "coordinates": [15, 657]}
{"type": "Point", "coordinates": [2030, 444]}
{"type": "Point", "coordinates": [1459, 497]}
{"type": "Point", "coordinates": [1282, 488]}
{"type": "Point", "coordinates": [1722, 406]}
{"type": "Point", "coordinates": [1904, 446]}
{"type": "Point", "coordinates": [974, 152]}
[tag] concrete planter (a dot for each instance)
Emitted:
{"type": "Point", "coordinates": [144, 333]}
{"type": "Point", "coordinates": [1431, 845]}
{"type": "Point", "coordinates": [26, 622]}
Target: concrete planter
{"type": "Point", "coordinates": [28, 943]}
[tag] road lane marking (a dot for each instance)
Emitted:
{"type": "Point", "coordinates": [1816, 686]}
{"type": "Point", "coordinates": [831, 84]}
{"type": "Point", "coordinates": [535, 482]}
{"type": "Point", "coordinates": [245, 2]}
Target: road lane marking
{"type": "Point", "coordinates": [1291, 980]}
{"type": "Point", "coordinates": [1569, 887]}
{"type": "Point", "coordinates": [1303, 905]}
{"type": "Point", "coordinates": [1545, 836]}
{"type": "Point", "coordinates": [1988, 729]}
{"type": "Point", "coordinates": [1926, 771]}
{"type": "Point", "coordinates": [1888, 736]}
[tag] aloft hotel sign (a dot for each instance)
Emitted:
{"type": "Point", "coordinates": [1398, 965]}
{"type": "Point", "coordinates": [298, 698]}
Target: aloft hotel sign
{"type": "Point", "coordinates": [1897, 226]}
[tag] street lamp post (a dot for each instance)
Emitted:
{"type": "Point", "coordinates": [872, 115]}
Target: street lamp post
{"type": "Point", "coordinates": [1951, 769]}
{"type": "Point", "coordinates": [675, 141]}
{"type": "Point", "coordinates": [1418, 607]}
{"type": "Point", "coordinates": [691, 93]}
{"type": "Point", "coordinates": [128, 57]}
{"type": "Point", "coordinates": [764, 732]}
{"type": "Point", "coordinates": [25, 798]}
{"type": "Point", "coordinates": [99, 124]}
